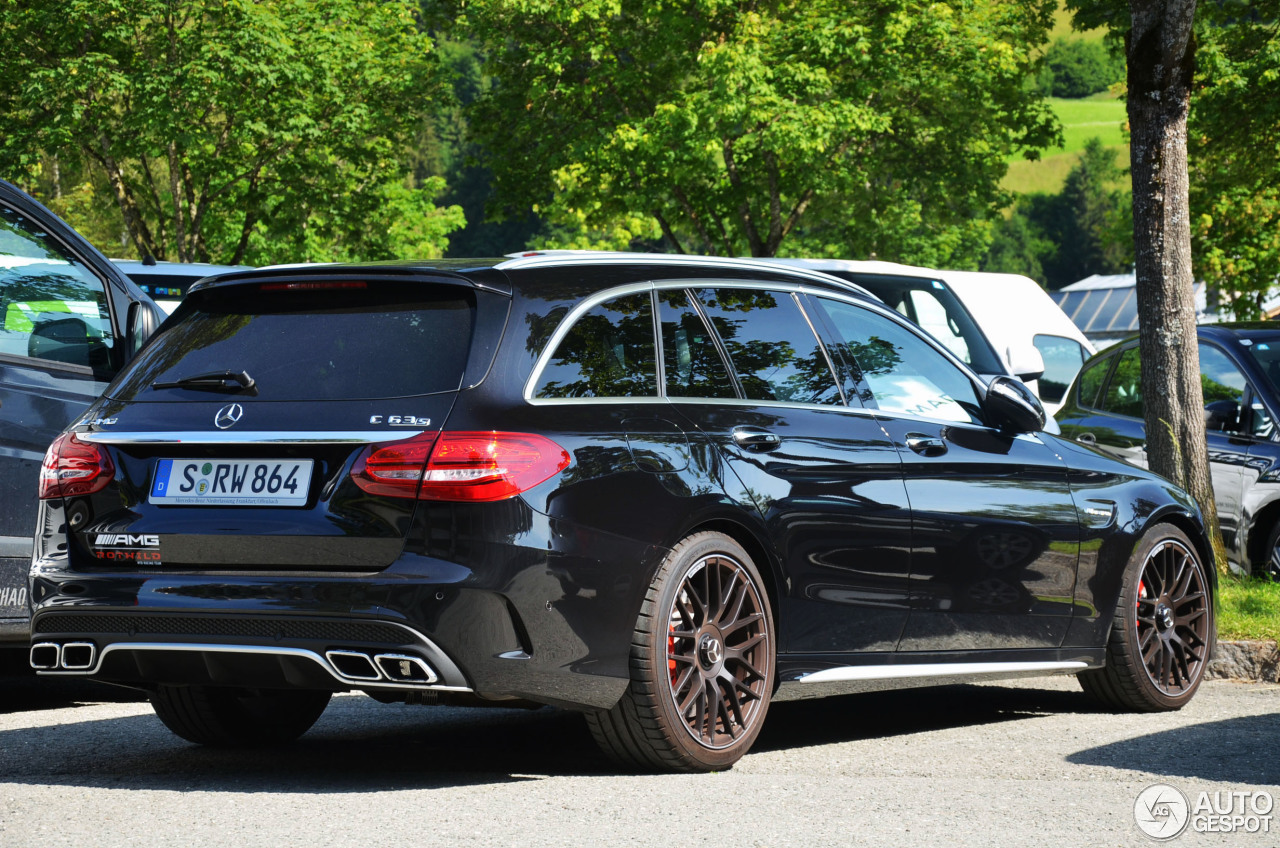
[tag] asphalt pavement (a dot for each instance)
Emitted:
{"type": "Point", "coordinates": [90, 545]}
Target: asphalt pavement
{"type": "Point", "coordinates": [1031, 762]}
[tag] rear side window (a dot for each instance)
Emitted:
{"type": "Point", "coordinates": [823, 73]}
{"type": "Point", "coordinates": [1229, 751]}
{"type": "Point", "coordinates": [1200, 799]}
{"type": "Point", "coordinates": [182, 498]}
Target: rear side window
{"type": "Point", "coordinates": [772, 347]}
{"type": "Point", "coordinates": [1062, 360]}
{"type": "Point", "coordinates": [691, 362]}
{"type": "Point", "coordinates": [374, 340]}
{"type": "Point", "coordinates": [609, 352]}
{"type": "Point", "coordinates": [1124, 392]}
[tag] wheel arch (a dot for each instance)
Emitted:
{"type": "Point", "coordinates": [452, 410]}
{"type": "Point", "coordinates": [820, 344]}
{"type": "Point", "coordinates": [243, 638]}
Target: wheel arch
{"type": "Point", "coordinates": [766, 560]}
{"type": "Point", "coordinates": [1255, 546]}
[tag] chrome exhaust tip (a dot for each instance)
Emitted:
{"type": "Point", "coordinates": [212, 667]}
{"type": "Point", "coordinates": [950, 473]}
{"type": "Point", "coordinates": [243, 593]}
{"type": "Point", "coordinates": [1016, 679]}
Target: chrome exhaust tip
{"type": "Point", "coordinates": [45, 656]}
{"type": "Point", "coordinates": [402, 668]}
{"type": "Point", "coordinates": [78, 656]}
{"type": "Point", "coordinates": [353, 665]}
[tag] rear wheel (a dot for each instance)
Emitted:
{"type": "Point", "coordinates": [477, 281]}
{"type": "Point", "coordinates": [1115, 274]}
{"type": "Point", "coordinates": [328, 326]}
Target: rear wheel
{"type": "Point", "coordinates": [1164, 629]}
{"type": "Point", "coordinates": [702, 663]}
{"type": "Point", "coordinates": [212, 715]}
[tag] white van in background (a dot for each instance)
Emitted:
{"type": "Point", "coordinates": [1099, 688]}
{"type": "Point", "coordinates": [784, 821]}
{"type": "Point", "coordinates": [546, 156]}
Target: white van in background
{"type": "Point", "coordinates": [1015, 312]}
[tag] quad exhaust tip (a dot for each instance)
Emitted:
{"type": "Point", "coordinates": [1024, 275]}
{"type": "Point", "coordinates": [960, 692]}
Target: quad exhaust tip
{"type": "Point", "coordinates": [402, 668]}
{"type": "Point", "coordinates": [73, 656]}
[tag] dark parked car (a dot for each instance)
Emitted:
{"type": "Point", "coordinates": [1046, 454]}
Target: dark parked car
{"type": "Point", "coordinates": [659, 490]}
{"type": "Point", "coordinates": [70, 321]}
{"type": "Point", "coordinates": [1240, 373]}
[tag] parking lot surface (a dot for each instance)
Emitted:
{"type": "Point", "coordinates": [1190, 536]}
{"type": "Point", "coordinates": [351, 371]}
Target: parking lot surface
{"type": "Point", "coordinates": [1027, 762]}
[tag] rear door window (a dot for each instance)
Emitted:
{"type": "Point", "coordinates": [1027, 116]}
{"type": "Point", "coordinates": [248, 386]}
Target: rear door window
{"type": "Point", "coordinates": [774, 351]}
{"type": "Point", "coordinates": [691, 361]}
{"type": "Point", "coordinates": [317, 341]}
{"type": "Point", "coordinates": [608, 352]}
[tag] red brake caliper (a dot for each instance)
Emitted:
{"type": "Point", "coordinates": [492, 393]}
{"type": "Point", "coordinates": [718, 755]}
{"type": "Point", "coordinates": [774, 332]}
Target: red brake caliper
{"type": "Point", "coordinates": [671, 649]}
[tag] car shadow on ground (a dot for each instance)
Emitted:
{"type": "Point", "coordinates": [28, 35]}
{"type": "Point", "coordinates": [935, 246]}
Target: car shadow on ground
{"type": "Point", "coordinates": [361, 746]}
{"type": "Point", "coordinates": [1233, 751]}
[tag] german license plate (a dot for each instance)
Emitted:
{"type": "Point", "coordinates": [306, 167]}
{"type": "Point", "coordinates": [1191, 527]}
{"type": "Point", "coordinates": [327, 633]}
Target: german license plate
{"type": "Point", "coordinates": [231, 482]}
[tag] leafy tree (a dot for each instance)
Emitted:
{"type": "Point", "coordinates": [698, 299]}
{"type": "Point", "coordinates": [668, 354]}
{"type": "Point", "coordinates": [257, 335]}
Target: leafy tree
{"type": "Point", "coordinates": [1077, 68]}
{"type": "Point", "coordinates": [229, 130]}
{"type": "Point", "coordinates": [1234, 149]}
{"type": "Point", "coordinates": [762, 127]}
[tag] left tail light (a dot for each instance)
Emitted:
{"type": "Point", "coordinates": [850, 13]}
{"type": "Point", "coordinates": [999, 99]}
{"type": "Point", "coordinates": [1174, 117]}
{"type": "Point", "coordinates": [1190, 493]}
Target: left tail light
{"type": "Point", "coordinates": [459, 466]}
{"type": "Point", "coordinates": [72, 467]}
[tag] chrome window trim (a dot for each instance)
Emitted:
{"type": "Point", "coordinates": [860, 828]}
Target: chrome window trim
{"type": "Point", "coordinates": [247, 437]}
{"type": "Point", "coordinates": [900, 671]}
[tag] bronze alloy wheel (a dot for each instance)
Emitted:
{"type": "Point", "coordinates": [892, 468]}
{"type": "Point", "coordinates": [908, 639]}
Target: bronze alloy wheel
{"type": "Point", "coordinates": [1172, 614]}
{"type": "Point", "coordinates": [718, 652]}
{"type": "Point", "coordinates": [702, 663]}
{"type": "Point", "coordinates": [1163, 630]}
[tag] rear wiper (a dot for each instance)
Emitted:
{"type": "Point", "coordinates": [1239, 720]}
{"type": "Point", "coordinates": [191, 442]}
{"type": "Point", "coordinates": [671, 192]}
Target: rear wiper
{"type": "Point", "coordinates": [214, 381]}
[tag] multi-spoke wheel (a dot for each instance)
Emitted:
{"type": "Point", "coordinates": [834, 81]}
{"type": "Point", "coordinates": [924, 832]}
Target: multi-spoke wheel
{"type": "Point", "coordinates": [1163, 632]}
{"type": "Point", "coordinates": [702, 663]}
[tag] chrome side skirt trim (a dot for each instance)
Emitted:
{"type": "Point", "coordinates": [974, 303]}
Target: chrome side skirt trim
{"type": "Point", "coordinates": [247, 437]}
{"type": "Point", "coordinates": [897, 672]}
{"type": "Point", "coordinates": [300, 653]}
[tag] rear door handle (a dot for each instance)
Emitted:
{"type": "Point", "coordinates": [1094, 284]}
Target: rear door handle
{"type": "Point", "coordinates": [926, 445]}
{"type": "Point", "coordinates": [755, 438]}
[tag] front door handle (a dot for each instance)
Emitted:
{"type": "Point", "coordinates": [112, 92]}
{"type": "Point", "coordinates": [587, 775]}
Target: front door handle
{"type": "Point", "coordinates": [1087, 439]}
{"type": "Point", "coordinates": [755, 439]}
{"type": "Point", "coordinates": [926, 445]}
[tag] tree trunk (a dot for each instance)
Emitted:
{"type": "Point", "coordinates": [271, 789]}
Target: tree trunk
{"type": "Point", "coordinates": [1161, 62]}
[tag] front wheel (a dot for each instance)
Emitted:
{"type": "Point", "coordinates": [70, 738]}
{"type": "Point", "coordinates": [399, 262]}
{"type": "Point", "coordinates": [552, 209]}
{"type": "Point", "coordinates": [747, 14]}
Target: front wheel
{"type": "Point", "coordinates": [702, 663]}
{"type": "Point", "coordinates": [218, 716]}
{"type": "Point", "coordinates": [1164, 628]}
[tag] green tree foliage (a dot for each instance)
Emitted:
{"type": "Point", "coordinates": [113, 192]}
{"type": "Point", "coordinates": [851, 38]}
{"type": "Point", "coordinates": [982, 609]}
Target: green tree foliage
{"type": "Point", "coordinates": [1234, 151]}
{"type": "Point", "coordinates": [1077, 68]}
{"type": "Point", "coordinates": [735, 127]}
{"type": "Point", "coordinates": [229, 130]}
{"type": "Point", "coordinates": [1085, 229]}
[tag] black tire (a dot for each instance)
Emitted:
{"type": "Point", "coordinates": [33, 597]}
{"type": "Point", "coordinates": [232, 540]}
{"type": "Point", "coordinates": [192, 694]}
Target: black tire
{"type": "Point", "coordinates": [1270, 567]}
{"type": "Point", "coordinates": [702, 664]}
{"type": "Point", "coordinates": [221, 717]}
{"type": "Point", "coordinates": [1164, 629]}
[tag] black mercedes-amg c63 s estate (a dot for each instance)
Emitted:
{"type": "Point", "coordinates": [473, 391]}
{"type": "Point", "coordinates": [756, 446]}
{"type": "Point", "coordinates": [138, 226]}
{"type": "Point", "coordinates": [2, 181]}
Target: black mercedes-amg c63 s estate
{"type": "Point", "coordinates": [662, 491]}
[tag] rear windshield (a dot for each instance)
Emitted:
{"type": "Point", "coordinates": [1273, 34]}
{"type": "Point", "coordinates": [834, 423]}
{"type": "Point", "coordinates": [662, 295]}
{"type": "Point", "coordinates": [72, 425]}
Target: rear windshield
{"type": "Point", "coordinates": [374, 340]}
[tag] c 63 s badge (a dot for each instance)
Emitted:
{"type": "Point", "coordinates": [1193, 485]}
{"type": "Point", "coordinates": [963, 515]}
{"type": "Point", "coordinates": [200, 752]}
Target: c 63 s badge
{"type": "Point", "coordinates": [400, 420]}
{"type": "Point", "coordinates": [127, 547]}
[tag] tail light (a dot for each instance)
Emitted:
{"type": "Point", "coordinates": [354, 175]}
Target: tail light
{"type": "Point", "coordinates": [462, 466]}
{"type": "Point", "coordinates": [72, 467]}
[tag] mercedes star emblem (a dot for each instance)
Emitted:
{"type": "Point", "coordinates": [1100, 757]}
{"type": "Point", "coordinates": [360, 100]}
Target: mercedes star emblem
{"type": "Point", "coordinates": [228, 415]}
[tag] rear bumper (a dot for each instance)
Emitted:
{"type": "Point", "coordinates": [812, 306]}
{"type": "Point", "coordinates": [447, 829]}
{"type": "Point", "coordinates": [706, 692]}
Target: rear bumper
{"type": "Point", "coordinates": [520, 620]}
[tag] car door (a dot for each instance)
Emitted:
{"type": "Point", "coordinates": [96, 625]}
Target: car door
{"type": "Point", "coordinates": [995, 535]}
{"type": "Point", "coordinates": [63, 313]}
{"type": "Point", "coordinates": [824, 476]}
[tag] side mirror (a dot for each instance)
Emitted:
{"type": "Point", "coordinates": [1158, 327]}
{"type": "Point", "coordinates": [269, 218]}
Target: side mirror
{"type": "Point", "coordinates": [1013, 407]}
{"type": "Point", "coordinates": [1025, 362]}
{"type": "Point", "coordinates": [1222, 415]}
{"type": "Point", "coordinates": [143, 319]}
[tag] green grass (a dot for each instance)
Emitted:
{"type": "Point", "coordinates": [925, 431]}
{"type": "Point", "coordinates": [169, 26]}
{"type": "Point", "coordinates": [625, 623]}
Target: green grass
{"type": "Point", "coordinates": [1248, 609]}
{"type": "Point", "coordinates": [1102, 116]}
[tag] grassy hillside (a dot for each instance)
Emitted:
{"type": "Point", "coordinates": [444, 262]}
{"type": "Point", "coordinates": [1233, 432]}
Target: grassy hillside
{"type": "Point", "coordinates": [1102, 116]}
